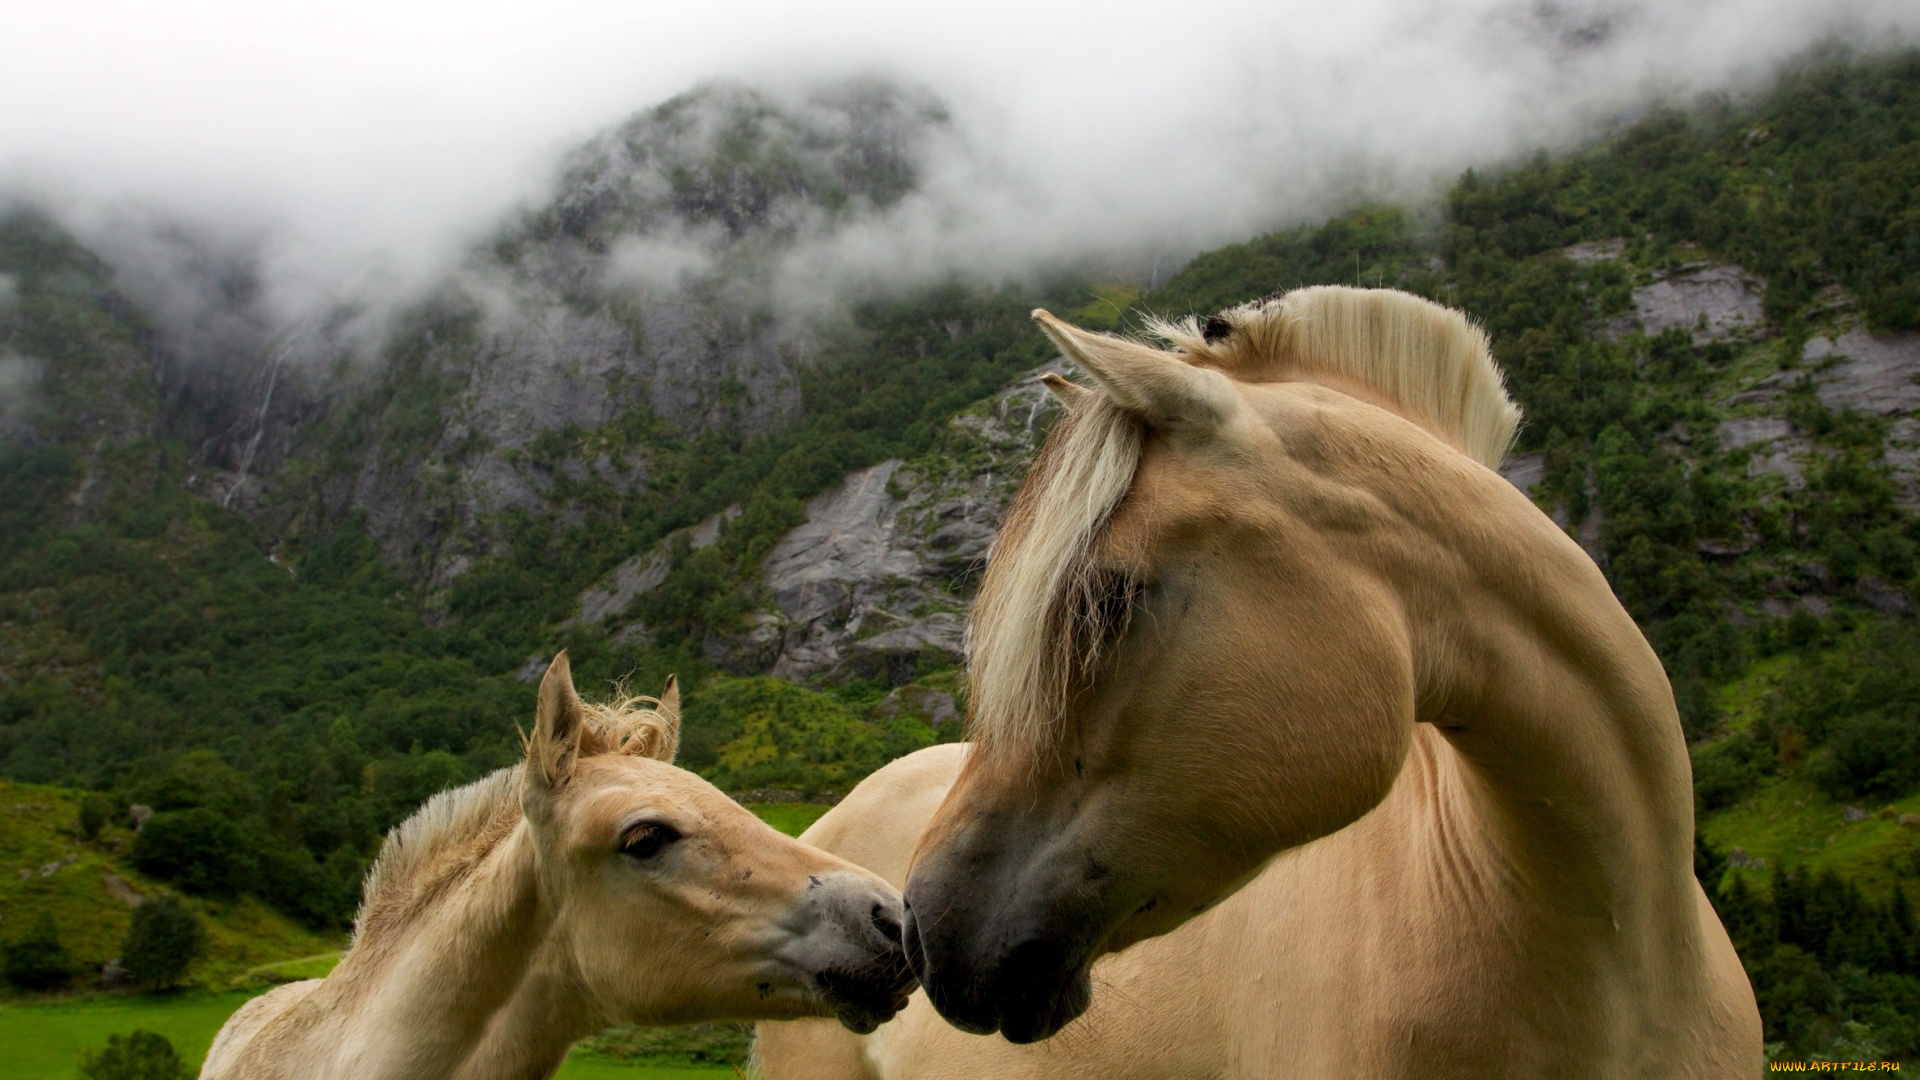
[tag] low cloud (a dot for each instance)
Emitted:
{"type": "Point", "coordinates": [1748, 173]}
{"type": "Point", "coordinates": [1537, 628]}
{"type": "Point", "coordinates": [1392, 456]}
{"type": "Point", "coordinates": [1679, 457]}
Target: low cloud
{"type": "Point", "coordinates": [246, 168]}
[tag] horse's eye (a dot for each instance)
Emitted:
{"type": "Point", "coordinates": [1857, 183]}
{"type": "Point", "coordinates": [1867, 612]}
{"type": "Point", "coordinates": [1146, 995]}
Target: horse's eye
{"type": "Point", "coordinates": [648, 839]}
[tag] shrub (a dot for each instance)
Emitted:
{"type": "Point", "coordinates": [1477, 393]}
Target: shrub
{"type": "Point", "coordinates": [141, 1055]}
{"type": "Point", "coordinates": [767, 732]}
{"type": "Point", "coordinates": [164, 939]}
{"type": "Point", "coordinates": [1874, 754]}
{"type": "Point", "coordinates": [1725, 771]}
{"type": "Point", "coordinates": [95, 810]}
{"type": "Point", "coordinates": [39, 961]}
{"type": "Point", "coordinates": [199, 850]}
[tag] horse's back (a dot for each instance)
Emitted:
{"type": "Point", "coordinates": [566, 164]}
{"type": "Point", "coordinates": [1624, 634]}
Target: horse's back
{"type": "Point", "coordinates": [875, 826]}
{"type": "Point", "coordinates": [246, 1022]}
{"type": "Point", "coordinates": [880, 821]}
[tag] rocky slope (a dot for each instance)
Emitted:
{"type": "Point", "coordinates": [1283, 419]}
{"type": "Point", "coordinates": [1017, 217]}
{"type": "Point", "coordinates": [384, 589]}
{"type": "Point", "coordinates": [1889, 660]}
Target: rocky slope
{"type": "Point", "coordinates": [652, 283]}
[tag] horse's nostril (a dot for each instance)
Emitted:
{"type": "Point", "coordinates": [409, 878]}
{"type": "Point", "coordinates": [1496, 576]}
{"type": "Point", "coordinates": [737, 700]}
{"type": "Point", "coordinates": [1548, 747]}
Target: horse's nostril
{"type": "Point", "coordinates": [885, 922]}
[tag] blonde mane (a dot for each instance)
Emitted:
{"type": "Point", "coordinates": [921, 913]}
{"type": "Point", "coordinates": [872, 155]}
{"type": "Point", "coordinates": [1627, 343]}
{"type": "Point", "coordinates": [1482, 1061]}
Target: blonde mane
{"type": "Point", "coordinates": [453, 828]}
{"type": "Point", "coordinates": [1044, 611]}
{"type": "Point", "coordinates": [1427, 359]}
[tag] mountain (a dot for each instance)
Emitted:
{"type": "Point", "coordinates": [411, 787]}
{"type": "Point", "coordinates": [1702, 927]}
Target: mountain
{"type": "Point", "coordinates": [636, 423]}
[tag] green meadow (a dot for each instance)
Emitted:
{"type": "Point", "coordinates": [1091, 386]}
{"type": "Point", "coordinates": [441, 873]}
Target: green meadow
{"type": "Point", "coordinates": [43, 1039]}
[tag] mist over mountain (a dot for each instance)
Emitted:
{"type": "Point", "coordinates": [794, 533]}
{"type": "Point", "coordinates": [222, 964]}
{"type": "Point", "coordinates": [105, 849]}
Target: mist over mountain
{"type": "Point", "coordinates": [355, 155]}
{"type": "Point", "coordinates": [306, 471]}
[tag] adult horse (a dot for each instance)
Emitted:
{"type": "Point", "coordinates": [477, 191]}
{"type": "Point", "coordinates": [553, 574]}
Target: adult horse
{"type": "Point", "coordinates": [594, 884]}
{"type": "Point", "coordinates": [1263, 586]}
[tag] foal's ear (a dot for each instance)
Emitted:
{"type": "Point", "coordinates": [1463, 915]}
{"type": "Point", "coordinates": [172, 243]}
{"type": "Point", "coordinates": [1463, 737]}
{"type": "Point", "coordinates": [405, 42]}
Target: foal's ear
{"type": "Point", "coordinates": [1068, 393]}
{"type": "Point", "coordinates": [557, 724]}
{"type": "Point", "coordinates": [1159, 386]}
{"type": "Point", "coordinates": [660, 740]}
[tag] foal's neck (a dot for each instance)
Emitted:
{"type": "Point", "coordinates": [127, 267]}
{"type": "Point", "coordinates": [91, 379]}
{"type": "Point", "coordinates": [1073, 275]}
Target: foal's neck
{"type": "Point", "coordinates": [425, 994]}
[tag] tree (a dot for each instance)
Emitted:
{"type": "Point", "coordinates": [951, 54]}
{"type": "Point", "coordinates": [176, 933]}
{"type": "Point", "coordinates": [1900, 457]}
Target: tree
{"type": "Point", "coordinates": [38, 961]}
{"type": "Point", "coordinates": [142, 1055]}
{"type": "Point", "coordinates": [163, 940]}
{"type": "Point", "coordinates": [200, 850]}
{"type": "Point", "coordinates": [95, 809]}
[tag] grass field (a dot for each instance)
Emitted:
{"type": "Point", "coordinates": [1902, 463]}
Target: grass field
{"type": "Point", "coordinates": [84, 885]}
{"type": "Point", "coordinates": [790, 818]}
{"type": "Point", "coordinates": [44, 1041]}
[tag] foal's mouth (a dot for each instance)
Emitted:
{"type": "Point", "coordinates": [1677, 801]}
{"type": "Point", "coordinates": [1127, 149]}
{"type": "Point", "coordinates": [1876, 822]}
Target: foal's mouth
{"type": "Point", "coordinates": [869, 995]}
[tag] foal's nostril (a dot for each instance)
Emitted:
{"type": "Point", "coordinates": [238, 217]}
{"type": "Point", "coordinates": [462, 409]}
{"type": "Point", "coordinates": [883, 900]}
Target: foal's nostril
{"type": "Point", "coordinates": [885, 922]}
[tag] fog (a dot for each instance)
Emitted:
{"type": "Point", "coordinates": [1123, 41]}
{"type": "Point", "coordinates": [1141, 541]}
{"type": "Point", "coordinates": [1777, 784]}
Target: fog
{"type": "Point", "coordinates": [312, 153]}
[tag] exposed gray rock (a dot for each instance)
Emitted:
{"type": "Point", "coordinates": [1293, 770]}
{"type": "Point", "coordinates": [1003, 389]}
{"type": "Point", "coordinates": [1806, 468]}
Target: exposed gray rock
{"type": "Point", "coordinates": [1854, 370]}
{"type": "Point", "coordinates": [1902, 456]}
{"type": "Point", "coordinates": [641, 574]}
{"type": "Point", "coordinates": [1883, 596]}
{"type": "Point", "coordinates": [880, 573]}
{"type": "Point", "coordinates": [1867, 373]}
{"type": "Point", "coordinates": [1524, 471]}
{"type": "Point", "coordinates": [1748, 430]}
{"type": "Point", "coordinates": [1774, 447]}
{"type": "Point", "coordinates": [936, 707]}
{"type": "Point", "coordinates": [1713, 302]}
{"type": "Point", "coordinates": [1595, 251]}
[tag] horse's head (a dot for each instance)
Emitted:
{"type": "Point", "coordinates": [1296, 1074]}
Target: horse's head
{"type": "Point", "coordinates": [1184, 661]}
{"type": "Point", "coordinates": [671, 902]}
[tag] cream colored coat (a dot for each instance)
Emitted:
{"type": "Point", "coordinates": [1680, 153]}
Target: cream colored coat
{"type": "Point", "coordinates": [1292, 976]}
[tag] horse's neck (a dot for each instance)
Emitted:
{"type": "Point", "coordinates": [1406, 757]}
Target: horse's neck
{"type": "Point", "coordinates": [530, 1035]}
{"type": "Point", "coordinates": [427, 993]}
{"type": "Point", "coordinates": [1563, 716]}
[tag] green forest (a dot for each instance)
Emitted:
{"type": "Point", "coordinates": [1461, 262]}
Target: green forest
{"type": "Point", "coordinates": [278, 716]}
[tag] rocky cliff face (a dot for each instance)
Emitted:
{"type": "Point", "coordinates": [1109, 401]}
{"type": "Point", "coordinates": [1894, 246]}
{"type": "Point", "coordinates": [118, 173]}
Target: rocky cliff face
{"type": "Point", "coordinates": [879, 577]}
{"type": "Point", "coordinates": [1770, 399]}
{"type": "Point", "coordinates": [650, 284]}
{"type": "Point", "coordinates": [876, 581]}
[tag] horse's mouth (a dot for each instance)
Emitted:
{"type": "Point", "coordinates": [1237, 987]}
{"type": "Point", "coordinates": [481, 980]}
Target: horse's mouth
{"type": "Point", "coordinates": [1032, 991]}
{"type": "Point", "coordinates": [862, 999]}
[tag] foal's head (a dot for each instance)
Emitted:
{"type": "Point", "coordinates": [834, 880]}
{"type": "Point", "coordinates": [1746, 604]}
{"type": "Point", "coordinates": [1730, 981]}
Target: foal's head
{"type": "Point", "coordinates": [1184, 656]}
{"type": "Point", "coordinates": [671, 902]}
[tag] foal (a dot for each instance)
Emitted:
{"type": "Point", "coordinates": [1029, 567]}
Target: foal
{"type": "Point", "coordinates": [594, 884]}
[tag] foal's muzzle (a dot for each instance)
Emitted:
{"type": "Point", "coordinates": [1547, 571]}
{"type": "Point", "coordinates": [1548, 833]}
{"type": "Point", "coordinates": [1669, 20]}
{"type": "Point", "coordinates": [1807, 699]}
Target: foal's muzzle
{"type": "Point", "coordinates": [852, 953]}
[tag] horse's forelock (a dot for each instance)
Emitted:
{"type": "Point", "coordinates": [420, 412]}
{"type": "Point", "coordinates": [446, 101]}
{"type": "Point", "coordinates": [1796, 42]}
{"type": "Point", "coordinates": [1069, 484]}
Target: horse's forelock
{"type": "Point", "coordinates": [1032, 636]}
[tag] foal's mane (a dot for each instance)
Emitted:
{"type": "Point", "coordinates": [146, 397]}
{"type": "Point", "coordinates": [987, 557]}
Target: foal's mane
{"type": "Point", "coordinates": [1044, 609]}
{"type": "Point", "coordinates": [451, 831]}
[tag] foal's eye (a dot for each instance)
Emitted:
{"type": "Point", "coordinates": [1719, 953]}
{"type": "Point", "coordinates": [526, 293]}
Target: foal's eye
{"type": "Point", "coordinates": [647, 839]}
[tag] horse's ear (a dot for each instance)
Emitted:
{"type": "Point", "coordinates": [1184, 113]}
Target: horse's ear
{"type": "Point", "coordinates": [557, 724]}
{"type": "Point", "coordinates": [660, 740]}
{"type": "Point", "coordinates": [1069, 393]}
{"type": "Point", "coordinates": [1157, 385]}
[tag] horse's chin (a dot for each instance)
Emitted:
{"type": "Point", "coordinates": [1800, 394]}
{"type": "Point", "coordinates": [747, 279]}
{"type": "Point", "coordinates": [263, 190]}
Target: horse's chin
{"type": "Point", "coordinates": [862, 1001]}
{"type": "Point", "coordinates": [1029, 1021]}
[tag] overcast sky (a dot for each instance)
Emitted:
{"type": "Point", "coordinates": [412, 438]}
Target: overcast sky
{"type": "Point", "coordinates": [355, 134]}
